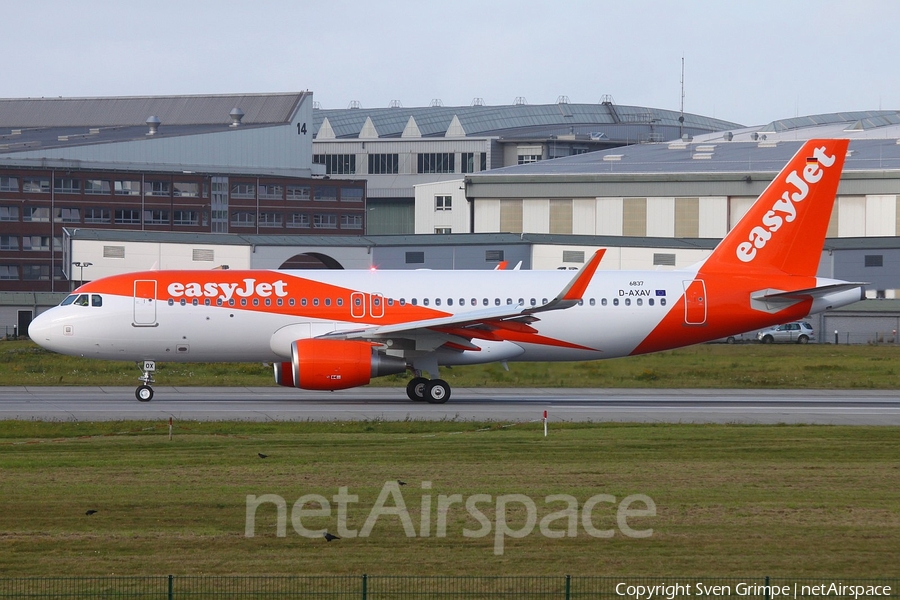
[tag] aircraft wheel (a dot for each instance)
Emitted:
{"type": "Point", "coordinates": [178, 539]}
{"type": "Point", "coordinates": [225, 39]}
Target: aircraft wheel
{"type": "Point", "coordinates": [415, 389]}
{"type": "Point", "coordinates": [144, 393]}
{"type": "Point", "coordinates": [437, 391]}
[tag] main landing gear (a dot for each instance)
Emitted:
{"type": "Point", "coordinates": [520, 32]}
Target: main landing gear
{"type": "Point", "coordinates": [144, 392]}
{"type": "Point", "coordinates": [433, 391]}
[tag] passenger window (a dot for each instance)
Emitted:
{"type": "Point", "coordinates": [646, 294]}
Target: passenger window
{"type": "Point", "coordinates": [302, 301]}
{"type": "Point", "coordinates": [543, 301]}
{"type": "Point", "coordinates": [615, 301]}
{"type": "Point", "coordinates": [593, 302]}
{"type": "Point", "coordinates": [414, 302]}
{"type": "Point", "coordinates": [603, 301]}
{"type": "Point", "coordinates": [522, 301]}
{"type": "Point", "coordinates": [533, 302]}
{"type": "Point", "coordinates": [256, 302]}
{"type": "Point", "coordinates": [340, 301]}
{"type": "Point", "coordinates": [474, 302]}
{"type": "Point", "coordinates": [390, 302]}
{"type": "Point", "coordinates": [650, 301]}
{"type": "Point", "coordinates": [315, 301]}
{"type": "Point", "coordinates": [662, 301]}
{"type": "Point", "coordinates": [268, 302]}
{"type": "Point", "coordinates": [219, 302]}
{"type": "Point", "coordinates": [425, 301]}
{"type": "Point", "coordinates": [172, 302]}
{"type": "Point", "coordinates": [640, 302]}
{"type": "Point", "coordinates": [243, 301]}
{"type": "Point", "coordinates": [231, 302]}
{"type": "Point", "coordinates": [207, 302]}
{"type": "Point", "coordinates": [402, 301]}
{"type": "Point", "coordinates": [509, 300]}
{"type": "Point", "coordinates": [437, 301]}
{"type": "Point", "coordinates": [194, 302]}
{"type": "Point", "coordinates": [96, 300]}
{"type": "Point", "coordinates": [627, 301]}
{"type": "Point", "coordinates": [462, 301]}
{"type": "Point", "coordinates": [496, 301]}
{"type": "Point", "coordinates": [485, 301]}
{"type": "Point", "coordinates": [327, 301]}
{"type": "Point", "coordinates": [449, 301]}
{"type": "Point", "coordinates": [291, 302]}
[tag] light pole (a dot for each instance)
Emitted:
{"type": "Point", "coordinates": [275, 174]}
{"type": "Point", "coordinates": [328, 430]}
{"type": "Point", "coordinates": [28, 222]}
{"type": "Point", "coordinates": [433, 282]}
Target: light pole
{"type": "Point", "coordinates": [81, 266]}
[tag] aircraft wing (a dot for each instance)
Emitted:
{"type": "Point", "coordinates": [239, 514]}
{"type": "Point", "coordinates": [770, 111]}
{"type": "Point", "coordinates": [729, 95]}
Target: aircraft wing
{"type": "Point", "coordinates": [510, 315]}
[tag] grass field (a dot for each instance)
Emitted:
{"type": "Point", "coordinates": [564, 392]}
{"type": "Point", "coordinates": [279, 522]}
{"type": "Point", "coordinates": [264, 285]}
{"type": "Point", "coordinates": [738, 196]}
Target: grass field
{"type": "Point", "coordinates": [702, 366]}
{"type": "Point", "coordinates": [730, 500]}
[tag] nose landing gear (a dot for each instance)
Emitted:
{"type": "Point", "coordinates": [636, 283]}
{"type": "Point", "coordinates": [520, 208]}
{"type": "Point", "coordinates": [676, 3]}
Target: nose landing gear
{"type": "Point", "coordinates": [144, 393]}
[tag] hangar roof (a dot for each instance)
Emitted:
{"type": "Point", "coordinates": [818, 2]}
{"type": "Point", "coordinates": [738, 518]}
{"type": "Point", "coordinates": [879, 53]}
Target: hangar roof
{"type": "Point", "coordinates": [509, 120]}
{"type": "Point", "coordinates": [697, 157]}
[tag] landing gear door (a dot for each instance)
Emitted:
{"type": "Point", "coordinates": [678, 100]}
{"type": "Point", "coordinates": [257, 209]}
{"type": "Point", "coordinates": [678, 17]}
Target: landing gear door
{"type": "Point", "coordinates": [145, 303]}
{"type": "Point", "coordinates": [695, 302]}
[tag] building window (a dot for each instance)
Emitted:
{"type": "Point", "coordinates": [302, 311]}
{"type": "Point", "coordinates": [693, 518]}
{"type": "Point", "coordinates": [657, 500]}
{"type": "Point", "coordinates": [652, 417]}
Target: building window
{"type": "Point", "coordinates": [113, 251]}
{"type": "Point", "coordinates": [384, 164]}
{"type": "Point", "coordinates": [443, 230]}
{"type": "Point", "coordinates": [467, 160]}
{"type": "Point", "coordinates": [483, 162]}
{"type": "Point", "coordinates": [687, 217]}
{"type": "Point", "coordinates": [243, 190]}
{"type": "Point", "coordinates": [298, 220]}
{"type": "Point", "coordinates": [436, 162]}
{"type": "Point", "coordinates": [96, 215]}
{"type": "Point", "coordinates": [67, 215]}
{"type": "Point", "coordinates": [127, 188]}
{"type": "Point", "coordinates": [243, 219]}
{"type": "Point", "coordinates": [36, 214]}
{"type": "Point", "coordinates": [157, 188]}
{"type": "Point", "coordinates": [560, 216]}
{"type": "Point", "coordinates": [271, 191]}
{"type": "Point", "coordinates": [9, 242]}
{"type": "Point", "coordinates": [9, 184]}
{"type": "Point", "coordinates": [326, 221]}
{"type": "Point", "coordinates": [36, 272]}
{"type": "Point", "coordinates": [298, 192]}
{"type": "Point", "coordinates": [443, 202]}
{"type": "Point", "coordinates": [9, 213]}
{"type": "Point", "coordinates": [415, 258]}
{"type": "Point", "coordinates": [37, 243]}
{"type": "Point", "coordinates": [186, 217]}
{"type": "Point", "coordinates": [351, 194]}
{"type": "Point", "coordinates": [128, 216]}
{"type": "Point", "coordinates": [203, 255]}
{"type": "Point", "coordinates": [96, 186]}
{"type": "Point", "coordinates": [156, 217]}
{"type": "Point", "coordinates": [326, 194]}
{"type": "Point", "coordinates": [634, 217]}
{"type": "Point", "coordinates": [337, 164]}
{"type": "Point", "coordinates": [874, 260]}
{"type": "Point", "coordinates": [186, 189]}
{"type": "Point", "coordinates": [351, 221]}
{"type": "Point", "coordinates": [511, 216]}
{"type": "Point", "coordinates": [270, 219]}
{"type": "Point", "coordinates": [663, 260]}
{"type": "Point", "coordinates": [493, 255]}
{"type": "Point", "coordinates": [67, 185]}
{"type": "Point", "coordinates": [9, 272]}
{"type": "Point", "coordinates": [36, 185]}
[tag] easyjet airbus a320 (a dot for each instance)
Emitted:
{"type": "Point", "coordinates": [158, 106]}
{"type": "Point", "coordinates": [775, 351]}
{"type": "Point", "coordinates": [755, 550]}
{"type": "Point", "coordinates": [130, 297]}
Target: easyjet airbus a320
{"type": "Point", "coordinates": [329, 330]}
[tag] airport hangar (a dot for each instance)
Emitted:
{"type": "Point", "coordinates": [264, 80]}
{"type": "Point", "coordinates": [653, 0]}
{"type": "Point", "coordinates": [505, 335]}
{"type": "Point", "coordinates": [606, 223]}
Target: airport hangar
{"type": "Point", "coordinates": [248, 164]}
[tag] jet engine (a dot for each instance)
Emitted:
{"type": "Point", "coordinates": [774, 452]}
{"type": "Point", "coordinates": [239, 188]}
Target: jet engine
{"type": "Point", "coordinates": [334, 365]}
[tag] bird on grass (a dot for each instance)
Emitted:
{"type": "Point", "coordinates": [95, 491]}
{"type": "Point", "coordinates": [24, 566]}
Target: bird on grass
{"type": "Point", "coordinates": [261, 455]}
{"type": "Point", "coordinates": [401, 482]}
{"type": "Point", "coordinates": [330, 536]}
{"type": "Point", "coordinates": [90, 512]}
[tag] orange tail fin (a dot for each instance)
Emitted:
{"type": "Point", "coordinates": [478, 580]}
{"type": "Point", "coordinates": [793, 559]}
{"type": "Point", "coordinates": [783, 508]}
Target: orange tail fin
{"type": "Point", "coordinates": [785, 228]}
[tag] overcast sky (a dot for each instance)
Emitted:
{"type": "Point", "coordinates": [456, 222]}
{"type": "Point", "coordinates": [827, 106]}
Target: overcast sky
{"type": "Point", "coordinates": [745, 61]}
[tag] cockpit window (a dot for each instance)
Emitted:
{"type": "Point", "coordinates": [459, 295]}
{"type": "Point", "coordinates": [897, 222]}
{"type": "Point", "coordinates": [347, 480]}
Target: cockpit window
{"type": "Point", "coordinates": [82, 300]}
{"type": "Point", "coordinates": [96, 300]}
{"type": "Point", "coordinates": [68, 300]}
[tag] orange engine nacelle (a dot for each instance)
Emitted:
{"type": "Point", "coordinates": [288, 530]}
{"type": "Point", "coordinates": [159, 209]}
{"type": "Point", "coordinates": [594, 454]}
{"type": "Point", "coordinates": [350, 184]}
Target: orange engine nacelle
{"type": "Point", "coordinates": [334, 365]}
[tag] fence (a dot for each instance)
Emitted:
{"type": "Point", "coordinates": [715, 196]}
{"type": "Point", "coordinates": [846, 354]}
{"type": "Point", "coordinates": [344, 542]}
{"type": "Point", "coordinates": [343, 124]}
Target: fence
{"type": "Point", "coordinates": [384, 587]}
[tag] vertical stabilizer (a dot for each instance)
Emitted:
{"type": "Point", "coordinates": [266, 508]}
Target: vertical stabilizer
{"type": "Point", "coordinates": [785, 228]}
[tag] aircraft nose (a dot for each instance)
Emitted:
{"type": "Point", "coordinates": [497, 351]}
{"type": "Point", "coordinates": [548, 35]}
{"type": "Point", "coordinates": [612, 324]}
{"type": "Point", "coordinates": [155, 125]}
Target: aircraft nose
{"type": "Point", "coordinates": [40, 329]}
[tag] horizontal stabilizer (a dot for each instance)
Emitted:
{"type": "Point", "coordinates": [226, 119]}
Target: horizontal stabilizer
{"type": "Point", "coordinates": [805, 294]}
